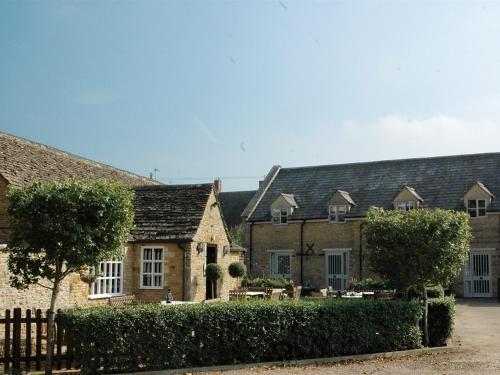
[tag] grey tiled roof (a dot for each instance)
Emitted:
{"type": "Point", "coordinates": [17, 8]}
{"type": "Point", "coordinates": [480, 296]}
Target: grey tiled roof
{"type": "Point", "coordinates": [232, 204]}
{"type": "Point", "coordinates": [23, 161]}
{"type": "Point", "coordinates": [169, 212]}
{"type": "Point", "coordinates": [440, 181]}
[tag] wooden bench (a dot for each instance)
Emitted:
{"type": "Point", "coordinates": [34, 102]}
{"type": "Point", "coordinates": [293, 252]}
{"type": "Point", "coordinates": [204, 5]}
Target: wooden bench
{"type": "Point", "coordinates": [122, 301]}
{"type": "Point", "coordinates": [237, 295]}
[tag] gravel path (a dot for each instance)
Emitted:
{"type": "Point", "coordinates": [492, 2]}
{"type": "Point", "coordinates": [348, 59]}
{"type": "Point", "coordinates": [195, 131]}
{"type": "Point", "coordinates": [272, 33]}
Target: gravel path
{"type": "Point", "coordinates": [477, 340]}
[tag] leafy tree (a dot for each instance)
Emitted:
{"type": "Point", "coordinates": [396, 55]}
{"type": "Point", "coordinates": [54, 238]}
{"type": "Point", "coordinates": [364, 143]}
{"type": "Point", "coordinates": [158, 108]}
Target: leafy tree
{"type": "Point", "coordinates": [237, 270]}
{"type": "Point", "coordinates": [236, 234]}
{"type": "Point", "coordinates": [418, 248]}
{"type": "Point", "coordinates": [59, 228]}
{"type": "Point", "coordinates": [213, 273]}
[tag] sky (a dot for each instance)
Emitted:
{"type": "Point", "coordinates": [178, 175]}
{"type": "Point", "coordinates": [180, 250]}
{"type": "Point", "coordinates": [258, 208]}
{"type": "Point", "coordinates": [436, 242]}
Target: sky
{"type": "Point", "coordinates": [199, 90]}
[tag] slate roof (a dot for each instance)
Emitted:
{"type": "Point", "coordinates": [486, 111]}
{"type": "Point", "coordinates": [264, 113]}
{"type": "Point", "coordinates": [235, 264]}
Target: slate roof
{"type": "Point", "coordinates": [23, 161]}
{"type": "Point", "coordinates": [169, 212]}
{"type": "Point", "coordinates": [232, 204]}
{"type": "Point", "coordinates": [440, 181]}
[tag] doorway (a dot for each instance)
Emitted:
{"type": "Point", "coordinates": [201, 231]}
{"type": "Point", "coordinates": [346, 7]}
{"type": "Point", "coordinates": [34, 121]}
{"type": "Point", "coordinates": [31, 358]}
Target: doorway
{"type": "Point", "coordinates": [211, 292]}
{"type": "Point", "coordinates": [477, 274]}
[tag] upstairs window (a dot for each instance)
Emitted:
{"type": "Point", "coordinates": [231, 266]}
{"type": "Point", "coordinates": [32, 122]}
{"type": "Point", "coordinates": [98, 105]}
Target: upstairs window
{"type": "Point", "coordinates": [476, 207]}
{"type": "Point", "coordinates": [406, 206]}
{"type": "Point", "coordinates": [281, 264]}
{"type": "Point", "coordinates": [336, 213]}
{"type": "Point", "coordinates": [280, 216]}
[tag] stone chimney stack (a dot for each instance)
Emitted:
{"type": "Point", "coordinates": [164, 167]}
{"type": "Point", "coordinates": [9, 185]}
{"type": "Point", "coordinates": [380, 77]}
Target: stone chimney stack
{"type": "Point", "coordinates": [218, 185]}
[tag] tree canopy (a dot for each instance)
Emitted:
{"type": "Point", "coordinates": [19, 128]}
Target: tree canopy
{"type": "Point", "coordinates": [418, 247]}
{"type": "Point", "coordinates": [75, 224]}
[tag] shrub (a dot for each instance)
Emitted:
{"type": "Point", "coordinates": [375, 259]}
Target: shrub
{"type": "Point", "coordinates": [441, 318]}
{"type": "Point", "coordinates": [213, 271]}
{"type": "Point", "coordinates": [370, 283]}
{"type": "Point", "coordinates": [237, 269]}
{"type": "Point", "coordinates": [275, 283]}
{"type": "Point", "coordinates": [435, 292]}
{"type": "Point", "coordinates": [150, 337]}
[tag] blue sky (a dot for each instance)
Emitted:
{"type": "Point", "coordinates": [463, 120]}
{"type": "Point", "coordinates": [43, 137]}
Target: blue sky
{"type": "Point", "coordinates": [206, 89]}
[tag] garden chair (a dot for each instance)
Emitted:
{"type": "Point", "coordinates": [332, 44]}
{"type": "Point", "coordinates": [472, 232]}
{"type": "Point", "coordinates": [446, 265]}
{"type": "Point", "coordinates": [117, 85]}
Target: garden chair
{"type": "Point", "coordinates": [122, 301]}
{"type": "Point", "coordinates": [237, 295]}
{"type": "Point", "coordinates": [276, 295]}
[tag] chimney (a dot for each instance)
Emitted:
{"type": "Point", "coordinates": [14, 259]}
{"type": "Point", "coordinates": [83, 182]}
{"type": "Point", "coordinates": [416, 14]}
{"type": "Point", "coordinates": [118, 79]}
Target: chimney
{"type": "Point", "coordinates": [150, 175]}
{"type": "Point", "coordinates": [261, 182]}
{"type": "Point", "coordinates": [218, 185]}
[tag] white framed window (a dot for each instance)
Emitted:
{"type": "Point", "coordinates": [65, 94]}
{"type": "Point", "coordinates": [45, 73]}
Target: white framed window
{"type": "Point", "coordinates": [109, 283]}
{"type": "Point", "coordinates": [280, 216]}
{"type": "Point", "coordinates": [406, 206]}
{"type": "Point", "coordinates": [336, 213]}
{"type": "Point", "coordinates": [281, 263]}
{"type": "Point", "coordinates": [476, 207]}
{"type": "Point", "coordinates": [152, 267]}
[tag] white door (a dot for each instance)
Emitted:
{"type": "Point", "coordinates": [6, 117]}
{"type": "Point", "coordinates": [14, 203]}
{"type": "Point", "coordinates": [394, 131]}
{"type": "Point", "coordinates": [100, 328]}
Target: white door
{"type": "Point", "coordinates": [477, 276]}
{"type": "Point", "coordinates": [337, 269]}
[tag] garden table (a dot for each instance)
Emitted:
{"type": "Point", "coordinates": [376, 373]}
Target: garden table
{"type": "Point", "coordinates": [164, 303]}
{"type": "Point", "coordinates": [255, 294]}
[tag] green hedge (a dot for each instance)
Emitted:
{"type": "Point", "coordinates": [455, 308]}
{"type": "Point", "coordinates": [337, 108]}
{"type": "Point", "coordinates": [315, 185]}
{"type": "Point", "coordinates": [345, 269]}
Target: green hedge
{"type": "Point", "coordinates": [441, 317]}
{"type": "Point", "coordinates": [150, 337]}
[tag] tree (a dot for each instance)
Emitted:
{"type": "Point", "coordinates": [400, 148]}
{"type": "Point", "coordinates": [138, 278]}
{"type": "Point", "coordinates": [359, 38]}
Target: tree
{"type": "Point", "coordinates": [236, 234]}
{"type": "Point", "coordinates": [417, 248]}
{"type": "Point", "coordinates": [237, 270]}
{"type": "Point", "coordinates": [59, 228]}
{"type": "Point", "coordinates": [213, 273]}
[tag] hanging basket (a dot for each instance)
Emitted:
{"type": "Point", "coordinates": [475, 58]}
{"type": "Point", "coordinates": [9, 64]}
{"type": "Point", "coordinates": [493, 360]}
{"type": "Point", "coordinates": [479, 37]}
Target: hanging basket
{"type": "Point", "coordinates": [88, 277]}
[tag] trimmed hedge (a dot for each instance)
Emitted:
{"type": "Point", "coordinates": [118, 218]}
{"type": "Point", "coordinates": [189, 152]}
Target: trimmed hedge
{"type": "Point", "coordinates": [150, 337]}
{"type": "Point", "coordinates": [441, 317]}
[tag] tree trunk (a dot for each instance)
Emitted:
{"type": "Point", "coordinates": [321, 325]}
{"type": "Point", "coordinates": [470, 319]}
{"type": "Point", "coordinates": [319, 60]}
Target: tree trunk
{"type": "Point", "coordinates": [51, 328]}
{"type": "Point", "coordinates": [426, 317]}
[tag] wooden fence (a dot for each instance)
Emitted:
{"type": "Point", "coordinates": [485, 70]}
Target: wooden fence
{"type": "Point", "coordinates": [28, 354]}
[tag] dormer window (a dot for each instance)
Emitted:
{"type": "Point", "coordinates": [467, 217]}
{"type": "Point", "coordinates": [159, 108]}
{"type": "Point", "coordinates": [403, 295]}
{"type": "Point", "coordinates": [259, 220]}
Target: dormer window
{"type": "Point", "coordinates": [407, 199]}
{"type": "Point", "coordinates": [476, 207]}
{"type": "Point", "coordinates": [280, 216]}
{"type": "Point", "coordinates": [336, 213]}
{"type": "Point", "coordinates": [477, 199]}
{"type": "Point", "coordinates": [406, 206]}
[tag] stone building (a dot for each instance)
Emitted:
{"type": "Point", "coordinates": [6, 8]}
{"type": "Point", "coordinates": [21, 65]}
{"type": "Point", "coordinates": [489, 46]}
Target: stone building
{"type": "Point", "coordinates": [178, 229]}
{"type": "Point", "coordinates": [306, 223]}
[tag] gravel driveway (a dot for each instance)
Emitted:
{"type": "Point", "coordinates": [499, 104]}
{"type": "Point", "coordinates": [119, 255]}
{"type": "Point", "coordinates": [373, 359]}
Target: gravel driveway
{"type": "Point", "coordinates": [477, 339]}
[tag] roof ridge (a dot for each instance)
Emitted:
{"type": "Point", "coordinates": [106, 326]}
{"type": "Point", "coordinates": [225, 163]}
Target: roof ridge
{"type": "Point", "coordinates": [391, 160]}
{"type": "Point", "coordinates": [172, 187]}
{"type": "Point", "coordinates": [82, 158]}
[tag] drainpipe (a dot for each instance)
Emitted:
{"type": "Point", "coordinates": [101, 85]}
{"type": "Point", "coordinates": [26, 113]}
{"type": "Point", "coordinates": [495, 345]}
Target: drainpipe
{"type": "Point", "coordinates": [361, 251]}
{"type": "Point", "coordinates": [250, 250]}
{"type": "Point", "coordinates": [184, 266]}
{"type": "Point", "coordinates": [302, 252]}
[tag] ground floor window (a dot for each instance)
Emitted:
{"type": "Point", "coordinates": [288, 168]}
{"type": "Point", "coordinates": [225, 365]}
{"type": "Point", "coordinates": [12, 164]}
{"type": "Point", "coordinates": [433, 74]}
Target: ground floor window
{"type": "Point", "coordinates": [109, 281]}
{"type": "Point", "coordinates": [281, 264]}
{"type": "Point", "coordinates": [152, 267]}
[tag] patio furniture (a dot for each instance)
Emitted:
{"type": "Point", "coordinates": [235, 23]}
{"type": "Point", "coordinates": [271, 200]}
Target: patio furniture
{"type": "Point", "coordinates": [176, 303]}
{"type": "Point", "coordinates": [386, 294]}
{"type": "Point", "coordinates": [237, 295]}
{"type": "Point", "coordinates": [276, 294]}
{"type": "Point", "coordinates": [122, 300]}
{"type": "Point", "coordinates": [213, 300]}
{"type": "Point", "coordinates": [255, 294]}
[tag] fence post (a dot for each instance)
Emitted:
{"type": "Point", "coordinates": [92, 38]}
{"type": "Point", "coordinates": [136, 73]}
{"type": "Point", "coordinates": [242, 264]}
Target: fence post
{"type": "Point", "coordinates": [38, 348]}
{"type": "Point", "coordinates": [16, 340]}
{"type": "Point", "coordinates": [28, 340]}
{"type": "Point", "coordinates": [7, 342]}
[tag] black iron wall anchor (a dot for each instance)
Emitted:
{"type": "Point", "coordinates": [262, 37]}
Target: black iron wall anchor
{"type": "Point", "coordinates": [309, 250]}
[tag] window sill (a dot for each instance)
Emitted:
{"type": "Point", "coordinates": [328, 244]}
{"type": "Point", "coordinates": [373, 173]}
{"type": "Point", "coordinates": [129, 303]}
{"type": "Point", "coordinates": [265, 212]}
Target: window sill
{"type": "Point", "coordinates": [152, 287]}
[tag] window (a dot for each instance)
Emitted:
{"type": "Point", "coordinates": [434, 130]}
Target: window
{"type": "Point", "coordinates": [280, 216]}
{"type": "Point", "coordinates": [476, 207]}
{"type": "Point", "coordinates": [152, 268]}
{"type": "Point", "coordinates": [406, 206]}
{"type": "Point", "coordinates": [281, 264]}
{"type": "Point", "coordinates": [110, 280]}
{"type": "Point", "coordinates": [336, 214]}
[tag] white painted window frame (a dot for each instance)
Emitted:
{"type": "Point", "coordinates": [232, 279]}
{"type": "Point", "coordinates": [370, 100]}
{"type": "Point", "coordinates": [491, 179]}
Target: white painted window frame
{"type": "Point", "coordinates": [278, 214]}
{"type": "Point", "coordinates": [95, 287]}
{"type": "Point", "coordinates": [334, 211]}
{"type": "Point", "coordinates": [272, 253]}
{"type": "Point", "coordinates": [162, 274]}
{"type": "Point", "coordinates": [477, 208]}
{"type": "Point", "coordinates": [406, 205]}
